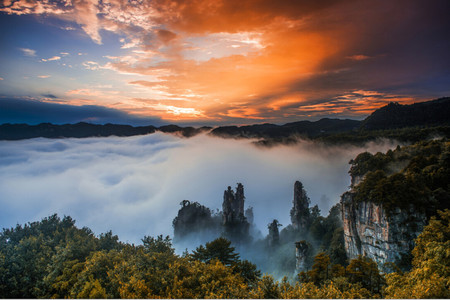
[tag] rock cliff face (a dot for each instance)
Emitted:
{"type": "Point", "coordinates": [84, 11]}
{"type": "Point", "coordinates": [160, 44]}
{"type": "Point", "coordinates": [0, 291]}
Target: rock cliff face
{"type": "Point", "coordinates": [236, 225]}
{"type": "Point", "coordinates": [197, 223]}
{"type": "Point", "coordinates": [371, 232]}
{"type": "Point", "coordinates": [233, 204]}
{"type": "Point", "coordinates": [300, 209]}
{"type": "Point", "coordinates": [392, 196]}
{"type": "Point", "coordinates": [195, 219]}
{"type": "Point", "coordinates": [274, 234]}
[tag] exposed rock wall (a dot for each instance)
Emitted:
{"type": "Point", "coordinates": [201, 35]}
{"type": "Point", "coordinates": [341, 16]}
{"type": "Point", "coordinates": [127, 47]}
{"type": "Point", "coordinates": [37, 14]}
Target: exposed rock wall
{"type": "Point", "coordinates": [233, 204]}
{"type": "Point", "coordinates": [274, 234]}
{"type": "Point", "coordinates": [370, 231]}
{"type": "Point", "coordinates": [194, 219]}
{"type": "Point", "coordinates": [300, 210]}
{"type": "Point", "coordinates": [197, 223]}
{"type": "Point", "coordinates": [236, 226]}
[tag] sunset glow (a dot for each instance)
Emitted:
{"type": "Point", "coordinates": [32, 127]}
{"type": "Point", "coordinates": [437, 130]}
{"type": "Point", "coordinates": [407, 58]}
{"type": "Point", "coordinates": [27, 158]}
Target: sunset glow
{"type": "Point", "coordinates": [225, 62]}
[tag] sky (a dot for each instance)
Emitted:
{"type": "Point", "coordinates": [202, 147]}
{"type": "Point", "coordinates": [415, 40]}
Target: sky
{"type": "Point", "coordinates": [218, 61]}
{"type": "Point", "coordinates": [134, 185]}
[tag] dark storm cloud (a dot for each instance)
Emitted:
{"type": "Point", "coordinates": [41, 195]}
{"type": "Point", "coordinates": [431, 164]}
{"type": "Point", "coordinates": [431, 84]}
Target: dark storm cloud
{"type": "Point", "coordinates": [390, 46]}
{"type": "Point", "coordinates": [35, 112]}
{"type": "Point", "coordinates": [398, 50]}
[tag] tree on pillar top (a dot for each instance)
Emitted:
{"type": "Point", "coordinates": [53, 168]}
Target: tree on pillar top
{"type": "Point", "coordinates": [300, 211]}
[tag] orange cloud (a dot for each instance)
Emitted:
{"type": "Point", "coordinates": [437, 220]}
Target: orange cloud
{"type": "Point", "coordinates": [253, 59]}
{"type": "Point", "coordinates": [352, 104]}
{"type": "Point", "coordinates": [216, 84]}
{"type": "Point", "coordinates": [358, 57]}
{"type": "Point", "coordinates": [231, 15]}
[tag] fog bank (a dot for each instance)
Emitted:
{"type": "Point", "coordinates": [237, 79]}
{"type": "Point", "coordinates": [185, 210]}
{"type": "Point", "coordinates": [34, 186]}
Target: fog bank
{"type": "Point", "coordinates": [133, 185]}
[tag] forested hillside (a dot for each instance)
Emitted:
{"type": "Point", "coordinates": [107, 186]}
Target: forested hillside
{"type": "Point", "coordinates": [416, 175]}
{"type": "Point", "coordinates": [395, 115]}
{"type": "Point", "coordinates": [55, 259]}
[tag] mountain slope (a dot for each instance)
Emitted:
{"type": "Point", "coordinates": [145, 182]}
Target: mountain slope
{"type": "Point", "coordinates": [304, 128]}
{"type": "Point", "coordinates": [394, 115]}
{"type": "Point", "coordinates": [79, 130]}
{"type": "Point", "coordinates": [432, 117]}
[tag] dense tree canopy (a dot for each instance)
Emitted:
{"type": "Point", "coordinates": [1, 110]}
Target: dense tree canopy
{"type": "Point", "coordinates": [219, 249]}
{"type": "Point", "coordinates": [430, 275]}
{"type": "Point", "coordinates": [55, 259]}
{"type": "Point", "coordinates": [417, 175]}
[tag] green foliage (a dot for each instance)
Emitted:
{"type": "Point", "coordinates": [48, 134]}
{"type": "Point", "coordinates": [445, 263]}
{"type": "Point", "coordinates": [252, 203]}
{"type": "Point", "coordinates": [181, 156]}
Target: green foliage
{"type": "Point", "coordinates": [417, 175]}
{"type": "Point", "coordinates": [267, 288]}
{"type": "Point", "coordinates": [200, 280]}
{"type": "Point", "coordinates": [219, 249]}
{"type": "Point", "coordinates": [54, 259]}
{"type": "Point", "coordinates": [329, 234]}
{"type": "Point", "coordinates": [40, 248]}
{"type": "Point", "coordinates": [361, 274]}
{"type": "Point", "coordinates": [365, 162]}
{"type": "Point", "coordinates": [404, 135]}
{"type": "Point", "coordinates": [320, 270]}
{"type": "Point", "coordinates": [430, 275]}
{"type": "Point", "coordinates": [194, 217]}
{"type": "Point", "coordinates": [158, 244]}
{"type": "Point", "coordinates": [365, 271]}
{"type": "Point", "coordinates": [108, 241]}
{"type": "Point", "coordinates": [248, 271]}
{"type": "Point", "coordinates": [336, 250]}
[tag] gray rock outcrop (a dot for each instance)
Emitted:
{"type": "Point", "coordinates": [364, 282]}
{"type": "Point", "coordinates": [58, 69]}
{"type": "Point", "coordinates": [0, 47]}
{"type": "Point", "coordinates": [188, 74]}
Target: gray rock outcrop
{"type": "Point", "coordinates": [371, 231]}
{"type": "Point", "coordinates": [300, 210]}
{"type": "Point", "coordinates": [235, 224]}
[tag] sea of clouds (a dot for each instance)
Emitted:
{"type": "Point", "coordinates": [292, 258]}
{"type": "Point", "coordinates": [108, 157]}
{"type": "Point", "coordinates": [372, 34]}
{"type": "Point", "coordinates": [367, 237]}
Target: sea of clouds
{"type": "Point", "coordinates": [134, 185]}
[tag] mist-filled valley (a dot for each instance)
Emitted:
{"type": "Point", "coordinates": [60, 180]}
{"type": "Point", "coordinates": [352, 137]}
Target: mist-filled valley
{"type": "Point", "coordinates": [224, 149]}
{"type": "Point", "coordinates": [160, 215]}
{"type": "Point", "coordinates": [134, 186]}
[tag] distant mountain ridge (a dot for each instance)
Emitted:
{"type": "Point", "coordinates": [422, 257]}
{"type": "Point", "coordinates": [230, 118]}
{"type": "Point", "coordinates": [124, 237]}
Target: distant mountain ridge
{"type": "Point", "coordinates": [303, 128]}
{"type": "Point", "coordinates": [394, 115]}
{"type": "Point", "coordinates": [78, 130]}
{"type": "Point", "coordinates": [390, 117]}
{"type": "Point", "coordinates": [84, 130]}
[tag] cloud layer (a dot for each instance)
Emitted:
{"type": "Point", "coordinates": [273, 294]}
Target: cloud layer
{"type": "Point", "coordinates": [134, 185]}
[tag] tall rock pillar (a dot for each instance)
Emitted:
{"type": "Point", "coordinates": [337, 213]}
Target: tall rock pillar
{"type": "Point", "coordinates": [234, 221]}
{"type": "Point", "coordinates": [300, 209]}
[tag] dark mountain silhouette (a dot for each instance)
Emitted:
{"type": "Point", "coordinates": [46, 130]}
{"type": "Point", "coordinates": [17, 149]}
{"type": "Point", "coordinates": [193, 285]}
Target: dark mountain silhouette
{"type": "Point", "coordinates": [303, 128]}
{"type": "Point", "coordinates": [78, 130]}
{"type": "Point", "coordinates": [83, 130]}
{"type": "Point", "coordinates": [394, 116]}
{"type": "Point", "coordinates": [184, 131]}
